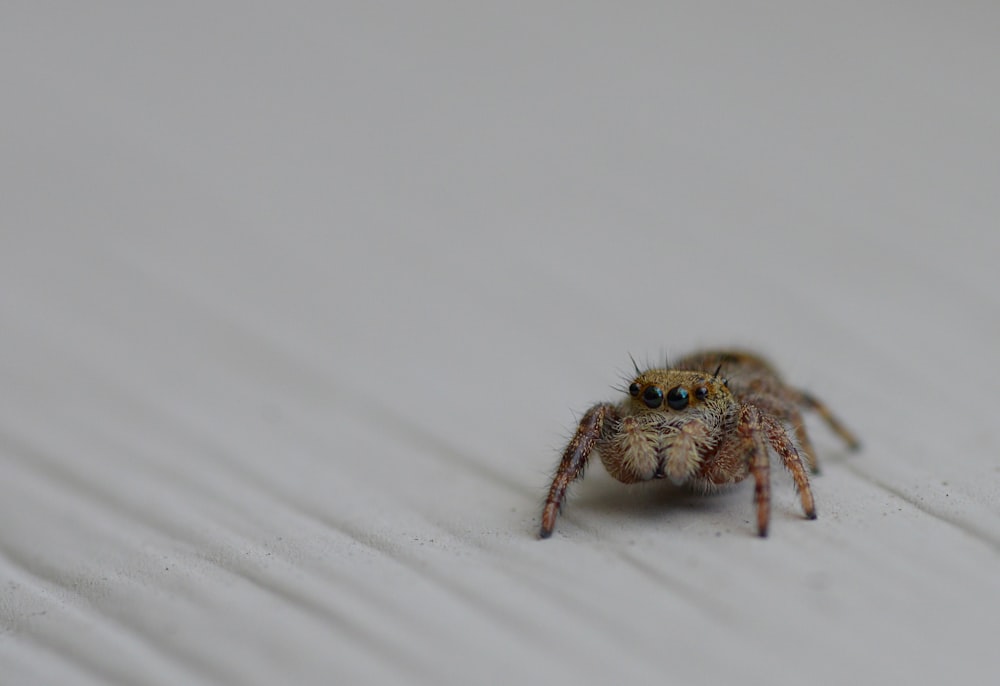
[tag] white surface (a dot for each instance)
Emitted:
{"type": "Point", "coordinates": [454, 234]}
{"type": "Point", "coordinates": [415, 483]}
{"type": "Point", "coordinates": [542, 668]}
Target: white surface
{"type": "Point", "coordinates": [298, 307]}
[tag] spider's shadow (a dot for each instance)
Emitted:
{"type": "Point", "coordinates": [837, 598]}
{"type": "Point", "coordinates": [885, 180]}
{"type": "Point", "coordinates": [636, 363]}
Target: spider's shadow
{"type": "Point", "coordinates": [654, 501]}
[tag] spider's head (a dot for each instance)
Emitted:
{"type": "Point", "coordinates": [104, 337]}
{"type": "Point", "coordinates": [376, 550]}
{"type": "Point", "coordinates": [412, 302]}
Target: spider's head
{"type": "Point", "coordinates": [670, 391]}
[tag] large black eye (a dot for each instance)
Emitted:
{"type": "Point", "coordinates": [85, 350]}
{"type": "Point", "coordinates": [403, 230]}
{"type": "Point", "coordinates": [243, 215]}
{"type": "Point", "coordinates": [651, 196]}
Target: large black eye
{"type": "Point", "coordinates": [677, 398]}
{"type": "Point", "coordinates": [653, 397]}
{"type": "Point", "coordinates": [633, 390]}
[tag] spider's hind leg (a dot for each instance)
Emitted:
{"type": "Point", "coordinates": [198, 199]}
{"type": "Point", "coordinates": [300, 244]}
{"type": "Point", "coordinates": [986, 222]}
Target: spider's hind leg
{"type": "Point", "coordinates": [806, 449]}
{"type": "Point", "coordinates": [813, 403]}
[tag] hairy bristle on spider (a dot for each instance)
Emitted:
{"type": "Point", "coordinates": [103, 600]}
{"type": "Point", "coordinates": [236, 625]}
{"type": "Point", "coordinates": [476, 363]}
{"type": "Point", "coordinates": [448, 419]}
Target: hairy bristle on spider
{"type": "Point", "coordinates": [637, 371]}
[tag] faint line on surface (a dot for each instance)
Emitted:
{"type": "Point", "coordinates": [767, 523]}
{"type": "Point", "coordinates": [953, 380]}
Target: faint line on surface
{"type": "Point", "coordinates": [118, 629]}
{"type": "Point", "coordinates": [963, 526]}
{"type": "Point", "coordinates": [110, 501]}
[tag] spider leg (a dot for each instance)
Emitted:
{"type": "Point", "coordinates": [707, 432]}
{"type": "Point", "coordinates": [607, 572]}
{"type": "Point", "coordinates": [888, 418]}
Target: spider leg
{"type": "Point", "coordinates": [573, 461]}
{"type": "Point", "coordinates": [784, 405]}
{"type": "Point", "coordinates": [752, 437]}
{"type": "Point", "coordinates": [815, 404]}
{"type": "Point", "coordinates": [782, 444]}
{"type": "Point", "coordinates": [806, 449]}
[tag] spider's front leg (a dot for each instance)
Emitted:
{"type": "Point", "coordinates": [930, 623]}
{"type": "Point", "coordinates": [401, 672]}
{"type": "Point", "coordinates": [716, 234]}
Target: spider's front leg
{"type": "Point", "coordinates": [782, 444]}
{"type": "Point", "coordinates": [754, 448]}
{"type": "Point", "coordinates": [573, 461]}
{"type": "Point", "coordinates": [756, 431]}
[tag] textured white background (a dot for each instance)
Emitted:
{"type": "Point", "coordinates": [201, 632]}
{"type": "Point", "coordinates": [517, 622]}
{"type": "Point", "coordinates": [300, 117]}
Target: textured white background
{"type": "Point", "coordinates": [298, 307]}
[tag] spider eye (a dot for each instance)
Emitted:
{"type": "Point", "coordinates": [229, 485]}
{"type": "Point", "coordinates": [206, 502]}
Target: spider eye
{"type": "Point", "coordinates": [677, 398]}
{"type": "Point", "coordinates": [633, 390]}
{"type": "Point", "coordinates": [701, 393]}
{"type": "Point", "coordinates": [653, 397]}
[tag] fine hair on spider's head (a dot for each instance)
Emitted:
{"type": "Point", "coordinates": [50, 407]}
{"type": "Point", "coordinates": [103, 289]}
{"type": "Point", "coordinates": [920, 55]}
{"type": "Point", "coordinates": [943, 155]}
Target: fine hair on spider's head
{"type": "Point", "coordinates": [635, 365]}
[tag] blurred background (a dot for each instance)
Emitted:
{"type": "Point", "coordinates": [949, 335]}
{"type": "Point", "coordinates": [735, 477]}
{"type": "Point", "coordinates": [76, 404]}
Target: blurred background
{"type": "Point", "coordinates": [299, 304]}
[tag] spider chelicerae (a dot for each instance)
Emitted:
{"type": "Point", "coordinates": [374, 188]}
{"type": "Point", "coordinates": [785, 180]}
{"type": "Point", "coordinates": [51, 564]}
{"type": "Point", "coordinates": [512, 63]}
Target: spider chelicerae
{"type": "Point", "coordinates": [708, 421]}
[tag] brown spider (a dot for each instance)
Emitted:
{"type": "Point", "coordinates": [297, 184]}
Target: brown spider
{"type": "Point", "coordinates": [706, 422]}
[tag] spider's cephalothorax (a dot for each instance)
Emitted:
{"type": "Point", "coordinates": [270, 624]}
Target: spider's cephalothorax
{"type": "Point", "coordinates": [709, 421]}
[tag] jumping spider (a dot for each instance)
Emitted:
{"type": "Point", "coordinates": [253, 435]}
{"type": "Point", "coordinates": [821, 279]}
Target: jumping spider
{"type": "Point", "coordinates": [706, 422]}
